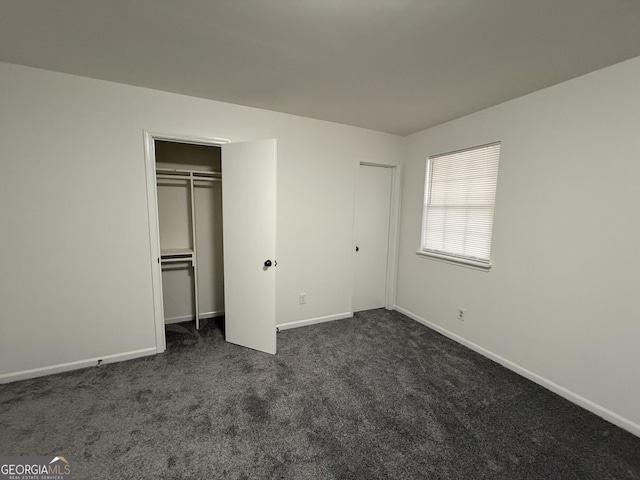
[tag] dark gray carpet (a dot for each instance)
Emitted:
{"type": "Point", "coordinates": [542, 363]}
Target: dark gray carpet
{"type": "Point", "coordinates": [376, 396]}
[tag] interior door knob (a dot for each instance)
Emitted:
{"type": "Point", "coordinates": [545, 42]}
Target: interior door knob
{"type": "Point", "coordinates": [357, 248]}
{"type": "Point", "coordinates": [267, 263]}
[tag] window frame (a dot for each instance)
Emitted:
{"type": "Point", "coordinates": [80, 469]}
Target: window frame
{"type": "Point", "coordinates": [449, 257]}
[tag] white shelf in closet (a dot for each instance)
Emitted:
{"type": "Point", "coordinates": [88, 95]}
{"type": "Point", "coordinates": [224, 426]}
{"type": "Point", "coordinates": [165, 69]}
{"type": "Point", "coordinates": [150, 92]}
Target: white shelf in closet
{"type": "Point", "coordinates": [195, 175]}
{"type": "Point", "coordinates": [176, 255]}
{"type": "Point", "coordinates": [176, 252]}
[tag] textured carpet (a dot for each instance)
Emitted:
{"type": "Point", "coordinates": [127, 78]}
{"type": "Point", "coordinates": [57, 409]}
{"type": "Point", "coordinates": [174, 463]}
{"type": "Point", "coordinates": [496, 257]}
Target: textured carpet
{"type": "Point", "coordinates": [376, 396]}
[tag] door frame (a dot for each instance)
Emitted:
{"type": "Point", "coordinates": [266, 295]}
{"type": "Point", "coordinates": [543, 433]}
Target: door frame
{"type": "Point", "coordinates": [394, 227]}
{"type": "Point", "coordinates": [152, 214]}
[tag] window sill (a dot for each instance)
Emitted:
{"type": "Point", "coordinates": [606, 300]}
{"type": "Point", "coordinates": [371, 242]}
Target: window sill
{"type": "Point", "coordinates": [463, 262]}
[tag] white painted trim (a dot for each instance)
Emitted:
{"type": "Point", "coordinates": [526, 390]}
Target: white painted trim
{"type": "Point", "coordinates": [185, 138]}
{"type": "Point", "coordinates": [377, 164]}
{"type": "Point", "coordinates": [394, 235]}
{"type": "Point", "coordinates": [154, 239]}
{"type": "Point", "coordinates": [579, 400]}
{"type": "Point", "coordinates": [66, 367]}
{"type": "Point", "coordinates": [354, 213]}
{"type": "Point", "coordinates": [461, 261]}
{"type": "Point", "coordinates": [312, 321]}
{"type": "Point", "coordinates": [152, 212]}
{"type": "Point", "coordinates": [191, 318]}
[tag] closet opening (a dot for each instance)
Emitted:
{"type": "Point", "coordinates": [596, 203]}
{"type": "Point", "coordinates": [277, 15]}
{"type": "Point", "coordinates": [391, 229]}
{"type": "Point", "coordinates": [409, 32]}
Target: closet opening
{"type": "Point", "coordinates": [189, 207]}
{"type": "Point", "coordinates": [193, 278]}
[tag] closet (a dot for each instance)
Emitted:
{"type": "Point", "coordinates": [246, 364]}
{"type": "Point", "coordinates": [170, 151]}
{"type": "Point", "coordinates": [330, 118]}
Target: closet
{"type": "Point", "coordinates": [189, 199]}
{"type": "Point", "coordinates": [191, 215]}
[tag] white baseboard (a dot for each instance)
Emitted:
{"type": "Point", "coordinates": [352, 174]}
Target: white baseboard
{"type": "Point", "coordinates": [585, 403]}
{"type": "Point", "coordinates": [191, 318]}
{"type": "Point", "coordinates": [66, 367]}
{"type": "Point", "coordinates": [312, 321]}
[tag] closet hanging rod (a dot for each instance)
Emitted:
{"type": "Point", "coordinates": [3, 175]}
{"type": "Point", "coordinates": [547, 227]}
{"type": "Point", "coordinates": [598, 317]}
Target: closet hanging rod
{"type": "Point", "coordinates": [187, 177]}
{"type": "Point", "coordinates": [194, 172]}
{"type": "Point", "coordinates": [177, 260]}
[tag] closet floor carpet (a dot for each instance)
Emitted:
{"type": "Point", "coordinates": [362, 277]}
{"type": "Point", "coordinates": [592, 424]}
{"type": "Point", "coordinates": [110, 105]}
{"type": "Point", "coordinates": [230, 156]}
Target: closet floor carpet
{"type": "Point", "coordinates": [373, 397]}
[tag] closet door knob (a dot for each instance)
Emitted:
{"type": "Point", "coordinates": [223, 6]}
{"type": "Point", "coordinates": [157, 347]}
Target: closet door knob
{"type": "Point", "coordinates": [267, 263]}
{"type": "Point", "coordinates": [357, 248]}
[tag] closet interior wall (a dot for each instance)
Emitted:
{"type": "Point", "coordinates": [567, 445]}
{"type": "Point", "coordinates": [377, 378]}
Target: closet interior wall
{"type": "Point", "coordinates": [176, 221]}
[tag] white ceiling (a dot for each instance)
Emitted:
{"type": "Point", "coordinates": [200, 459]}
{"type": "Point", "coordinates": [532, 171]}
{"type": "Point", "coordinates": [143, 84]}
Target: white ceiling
{"type": "Point", "coordinates": [397, 66]}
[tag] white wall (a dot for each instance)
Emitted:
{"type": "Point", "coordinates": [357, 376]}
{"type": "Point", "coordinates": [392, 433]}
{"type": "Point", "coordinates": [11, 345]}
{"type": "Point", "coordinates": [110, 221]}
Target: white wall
{"type": "Point", "coordinates": [75, 280]}
{"type": "Point", "coordinates": [561, 301]}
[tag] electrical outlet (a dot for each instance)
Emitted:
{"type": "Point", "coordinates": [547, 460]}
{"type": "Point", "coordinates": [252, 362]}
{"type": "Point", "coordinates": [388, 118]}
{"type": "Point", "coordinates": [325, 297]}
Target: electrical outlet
{"type": "Point", "coordinates": [302, 298]}
{"type": "Point", "coordinates": [461, 313]}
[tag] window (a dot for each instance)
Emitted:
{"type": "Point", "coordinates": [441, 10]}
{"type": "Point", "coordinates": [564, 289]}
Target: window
{"type": "Point", "coordinates": [459, 197]}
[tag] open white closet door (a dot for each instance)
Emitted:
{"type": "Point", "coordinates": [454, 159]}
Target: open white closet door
{"type": "Point", "coordinates": [249, 236]}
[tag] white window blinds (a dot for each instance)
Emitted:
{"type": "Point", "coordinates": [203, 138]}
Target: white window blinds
{"type": "Point", "coordinates": [460, 192]}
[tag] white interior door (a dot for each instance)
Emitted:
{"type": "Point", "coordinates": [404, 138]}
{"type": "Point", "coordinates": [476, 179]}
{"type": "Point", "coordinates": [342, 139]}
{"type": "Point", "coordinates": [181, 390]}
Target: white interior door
{"type": "Point", "coordinates": [249, 237]}
{"type": "Point", "coordinates": [373, 209]}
